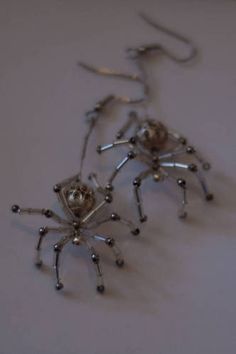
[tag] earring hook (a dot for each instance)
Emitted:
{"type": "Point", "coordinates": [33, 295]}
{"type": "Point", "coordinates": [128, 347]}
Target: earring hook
{"type": "Point", "coordinates": [104, 71]}
{"type": "Point", "coordinates": [145, 49]}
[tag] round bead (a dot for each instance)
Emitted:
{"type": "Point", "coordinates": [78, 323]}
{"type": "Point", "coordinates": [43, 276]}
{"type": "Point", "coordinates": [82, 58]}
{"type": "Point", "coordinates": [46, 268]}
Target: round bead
{"type": "Point", "coordinates": [143, 218]}
{"type": "Point", "coordinates": [137, 182]}
{"type": "Point", "coordinates": [181, 182]}
{"type": "Point", "coordinates": [209, 197]}
{"type": "Point", "coordinates": [135, 232]}
{"type": "Point", "coordinates": [59, 286]}
{"type": "Point", "coordinates": [15, 208]}
{"type": "Point", "coordinates": [206, 166]}
{"type": "Point", "coordinates": [100, 289]}
{"type": "Point", "coordinates": [109, 187]}
{"type": "Point", "coordinates": [99, 149]}
{"type": "Point", "coordinates": [108, 198]}
{"type": "Point", "coordinates": [110, 241]}
{"type": "Point", "coordinates": [42, 231]}
{"type": "Point", "coordinates": [95, 258]}
{"type": "Point", "coordinates": [57, 248]}
{"type": "Point", "coordinates": [38, 264]}
{"type": "Point", "coordinates": [115, 217]}
{"type": "Point", "coordinates": [192, 167]}
{"type": "Point", "coordinates": [48, 213]}
{"type": "Point", "coordinates": [57, 188]}
{"type": "Point", "coordinates": [120, 263]}
{"type": "Point", "coordinates": [132, 140]}
{"type": "Point", "coordinates": [190, 150]}
{"type": "Point", "coordinates": [131, 155]}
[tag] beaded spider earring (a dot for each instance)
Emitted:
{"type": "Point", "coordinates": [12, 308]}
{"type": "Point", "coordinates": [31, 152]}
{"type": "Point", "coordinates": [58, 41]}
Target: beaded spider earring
{"type": "Point", "coordinates": [81, 203]}
{"type": "Point", "coordinates": [157, 146]}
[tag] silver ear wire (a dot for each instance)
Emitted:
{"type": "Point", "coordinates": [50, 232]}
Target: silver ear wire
{"type": "Point", "coordinates": [104, 71]}
{"type": "Point", "coordinates": [145, 49]}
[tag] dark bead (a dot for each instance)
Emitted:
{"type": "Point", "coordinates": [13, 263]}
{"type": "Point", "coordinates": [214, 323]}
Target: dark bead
{"type": "Point", "coordinates": [57, 188]}
{"type": "Point", "coordinates": [143, 218]}
{"type": "Point", "coordinates": [48, 213]}
{"type": "Point", "coordinates": [190, 150]}
{"type": "Point", "coordinates": [206, 166]}
{"type": "Point", "coordinates": [99, 149]}
{"type": "Point", "coordinates": [110, 241]}
{"type": "Point", "coordinates": [131, 155]}
{"type": "Point", "coordinates": [181, 182]}
{"type": "Point", "coordinates": [183, 215]}
{"type": "Point", "coordinates": [57, 247]}
{"type": "Point", "coordinates": [95, 258]}
{"type": "Point", "coordinates": [42, 231]}
{"type": "Point", "coordinates": [76, 225]}
{"type": "Point", "coordinates": [192, 167]}
{"type": "Point", "coordinates": [109, 187]}
{"type": "Point", "coordinates": [100, 289]}
{"type": "Point", "coordinates": [108, 198]}
{"type": "Point", "coordinates": [137, 182]}
{"type": "Point", "coordinates": [38, 264]}
{"type": "Point", "coordinates": [209, 197]}
{"type": "Point", "coordinates": [183, 141]}
{"type": "Point", "coordinates": [98, 107]}
{"type": "Point", "coordinates": [135, 232]}
{"type": "Point", "coordinates": [15, 208]}
{"type": "Point", "coordinates": [120, 263]}
{"type": "Point", "coordinates": [132, 140]}
{"type": "Point", "coordinates": [115, 217]}
{"type": "Point", "coordinates": [118, 135]}
{"type": "Point", "coordinates": [59, 286]}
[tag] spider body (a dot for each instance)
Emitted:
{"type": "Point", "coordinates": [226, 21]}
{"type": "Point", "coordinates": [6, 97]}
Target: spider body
{"type": "Point", "coordinates": [158, 148]}
{"type": "Point", "coordinates": [81, 206]}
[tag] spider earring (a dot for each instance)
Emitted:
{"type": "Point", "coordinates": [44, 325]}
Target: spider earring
{"type": "Point", "coordinates": [151, 141]}
{"type": "Point", "coordinates": [81, 204]}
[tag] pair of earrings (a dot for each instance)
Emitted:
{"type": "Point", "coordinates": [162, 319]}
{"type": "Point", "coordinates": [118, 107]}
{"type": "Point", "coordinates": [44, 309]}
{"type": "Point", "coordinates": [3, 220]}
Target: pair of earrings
{"type": "Point", "coordinates": [151, 142]}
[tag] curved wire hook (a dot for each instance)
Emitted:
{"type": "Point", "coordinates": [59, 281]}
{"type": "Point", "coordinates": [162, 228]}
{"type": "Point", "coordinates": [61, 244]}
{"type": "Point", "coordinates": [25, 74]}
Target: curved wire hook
{"type": "Point", "coordinates": [103, 71]}
{"type": "Point", "coordinates": [145, 49]}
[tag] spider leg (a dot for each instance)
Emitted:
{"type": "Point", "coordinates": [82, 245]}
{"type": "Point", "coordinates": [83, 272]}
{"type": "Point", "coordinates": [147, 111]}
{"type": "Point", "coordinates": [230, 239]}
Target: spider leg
{"type": "Point", "coordinates": [107, 199]}
{"type": "Point", "coordinates": [58, 247]}
{"type": "Point", "coordinates": [43, 231]}
{"type": "Point", "coordinates": [116, 143]}
{"type": "Point", "coordinates": [193, 168]}
{"type": "Point", "coordinates": [188, 150]}
{"type": "Point", "coordinates": [115, 217]}
{"type": "Point", "coordinates": [131, 155]}
{"type": "Point", "coordinates": [137, 184]}
{"type": "Point", "coordinates": [110, 242]}
{"type": "Point", "coordinates": [93, 178]}
{"type": "Point", "coordinates": [96, 261]}
{"type": "Point", "coordinates": [34, 211]}
{"type": "Point", "coordinates": [133, 119]}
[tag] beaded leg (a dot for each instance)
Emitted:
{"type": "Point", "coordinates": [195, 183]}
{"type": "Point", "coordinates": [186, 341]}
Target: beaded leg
{"type": "Point", "coordinates": [58, 247]}
{"type": "Point", "coordinates": [35, 211]}
{"type": "Point", "coordinates": [110, 242]}
{"type": "Point", "coordinates": [102, 148]}
{"type": "Point", "coordinates": [188, 150]}
{"type": "Point", "coordinates": [107, 199]}
{"type": "Point", "coordinates": [193, 168]}
{"type": "Point", "coordinates": [93, 178]}
{"type": "Point", "coordinates": [137, 184]}
{"type": "Point", "coordinates": [96, 261]}
{"type": "Point", "coordinates": [43, 231]}
{"type": "Point", "coordinates": [115, 217]}
{"type": "Point", "coordinates": [130, 156]}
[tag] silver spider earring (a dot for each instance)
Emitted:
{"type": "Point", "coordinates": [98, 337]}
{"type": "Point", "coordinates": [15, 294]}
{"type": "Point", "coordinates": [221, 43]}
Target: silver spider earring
{"type": "Point", "coordinates": [152, 142]}
{"type": "Point", "coordinates": [81, 204]}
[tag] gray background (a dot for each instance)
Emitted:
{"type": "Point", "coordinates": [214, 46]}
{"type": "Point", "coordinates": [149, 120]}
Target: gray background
{"type": "Point", "coordinates": [177, 293]}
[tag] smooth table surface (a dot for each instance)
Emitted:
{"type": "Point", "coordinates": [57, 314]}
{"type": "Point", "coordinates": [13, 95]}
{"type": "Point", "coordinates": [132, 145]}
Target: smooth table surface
{"type": "Point", "coordinates": [177, 293]}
